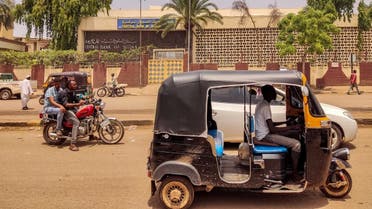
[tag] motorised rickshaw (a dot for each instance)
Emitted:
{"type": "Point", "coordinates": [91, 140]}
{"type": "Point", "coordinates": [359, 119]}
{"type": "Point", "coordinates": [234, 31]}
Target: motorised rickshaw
{"type": "Point", "coordinates": [187, 155]}
{"type": "Point", "coordinates": [83, 80]}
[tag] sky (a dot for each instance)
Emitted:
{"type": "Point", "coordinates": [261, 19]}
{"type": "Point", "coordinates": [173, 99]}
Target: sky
{"type": "Point", "coordinates": [20, 31]}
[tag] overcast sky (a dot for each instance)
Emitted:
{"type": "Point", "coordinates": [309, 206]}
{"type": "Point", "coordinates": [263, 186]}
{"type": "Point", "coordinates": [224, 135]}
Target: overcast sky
{"type": "Point", "coordinates": [20, 31]}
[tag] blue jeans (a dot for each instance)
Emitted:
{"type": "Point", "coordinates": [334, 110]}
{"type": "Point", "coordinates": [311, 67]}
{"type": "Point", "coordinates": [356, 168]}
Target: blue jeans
{"type": "Point", "coordinates": [55, 111]}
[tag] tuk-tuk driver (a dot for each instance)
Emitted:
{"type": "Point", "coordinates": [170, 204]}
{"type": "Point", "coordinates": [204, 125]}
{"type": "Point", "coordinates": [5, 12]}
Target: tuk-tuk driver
{"type": "Point", "coordinates": [267, 130]}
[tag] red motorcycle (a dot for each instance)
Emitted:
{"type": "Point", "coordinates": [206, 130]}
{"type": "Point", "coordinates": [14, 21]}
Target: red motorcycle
{"type": "Point", "coordinates": [92, 119]}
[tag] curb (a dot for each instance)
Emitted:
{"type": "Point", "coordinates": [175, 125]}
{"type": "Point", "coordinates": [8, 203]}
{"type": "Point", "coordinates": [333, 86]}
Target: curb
{"type": "Point", "coordinates": [38, 123]}
{"type": "Point", "coordinates": [360, 121]}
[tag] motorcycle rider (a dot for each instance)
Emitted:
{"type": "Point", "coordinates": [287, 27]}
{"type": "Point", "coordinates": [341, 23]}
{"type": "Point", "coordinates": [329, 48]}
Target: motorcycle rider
{"type": "Point", "coordinates": [51, 106]}
{"type": "Point", "coordinates": [114, 83]}
{"type": "Point", "coordinates": [71, 102]}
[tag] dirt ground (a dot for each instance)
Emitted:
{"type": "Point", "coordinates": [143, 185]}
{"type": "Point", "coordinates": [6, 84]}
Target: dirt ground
{"type": "Point", "coordinates": [35, 175]}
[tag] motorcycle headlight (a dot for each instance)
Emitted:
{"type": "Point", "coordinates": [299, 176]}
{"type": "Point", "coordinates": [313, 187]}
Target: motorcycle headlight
{"type": "Point", "coordinates": [102, 105]}
{"type": "Point", "coordinates": [348, 114]}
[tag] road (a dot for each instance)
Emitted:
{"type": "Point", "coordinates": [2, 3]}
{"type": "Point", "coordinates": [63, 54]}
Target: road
{"type": "Point", "coordinates": [35, 175]}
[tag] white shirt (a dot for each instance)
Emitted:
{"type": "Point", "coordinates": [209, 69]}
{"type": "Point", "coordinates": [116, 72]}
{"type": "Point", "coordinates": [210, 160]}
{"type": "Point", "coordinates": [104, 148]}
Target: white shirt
{"type": "Point", "coordinates": [25, 86]}
{"type": "Point", "coordinates": [262, 113]}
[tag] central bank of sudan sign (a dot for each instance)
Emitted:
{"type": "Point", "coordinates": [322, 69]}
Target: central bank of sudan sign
{"type": "Point", "coordinates": [132, 23]}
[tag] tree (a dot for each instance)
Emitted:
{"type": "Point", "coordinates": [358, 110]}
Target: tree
{"type": "Point", "coordinates": [308, 32]}
{"type": "Point", "coordinates": [60, 19]}
{"type": "Point", "coordinates": [344, 8]}
{"type": "Point", "coordinates": [200, 13]}
{"type": "Point", "coordinates": [241, 5]}
{"type": "Point", "coordinates": [6, 17]}
{"type": "Point", "coordinates": [364, 23]}
{"type": "Point", "coordinates": [275, 15]}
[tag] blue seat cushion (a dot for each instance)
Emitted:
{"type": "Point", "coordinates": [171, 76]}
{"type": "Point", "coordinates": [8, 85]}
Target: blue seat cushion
{"type": "Point", "coordinates": [263, 149]}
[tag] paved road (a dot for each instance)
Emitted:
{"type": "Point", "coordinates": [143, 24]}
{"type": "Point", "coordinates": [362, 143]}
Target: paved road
{"type": "Point", "coordinates": [35, 175]}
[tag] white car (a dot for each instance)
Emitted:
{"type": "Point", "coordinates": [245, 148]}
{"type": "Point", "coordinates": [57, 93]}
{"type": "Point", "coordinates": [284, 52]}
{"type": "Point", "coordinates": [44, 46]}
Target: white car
{"type": "Point", "coordinates": [228, 108]}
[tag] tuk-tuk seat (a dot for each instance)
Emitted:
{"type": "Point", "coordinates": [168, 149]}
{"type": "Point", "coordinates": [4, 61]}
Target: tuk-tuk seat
{"type": "Point", "coordinates": [264, 149]}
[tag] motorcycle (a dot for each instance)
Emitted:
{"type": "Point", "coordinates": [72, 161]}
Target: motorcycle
{"type": "Point", "coordinates": [338, 183]}
{"type": "Point", "coordinates": [107, 89]}
{"type": "Point", "coordinates": [92, 120]}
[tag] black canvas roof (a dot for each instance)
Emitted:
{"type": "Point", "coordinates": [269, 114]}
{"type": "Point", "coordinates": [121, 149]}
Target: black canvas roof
{"type": "Point", "coordinates": [182, 98]}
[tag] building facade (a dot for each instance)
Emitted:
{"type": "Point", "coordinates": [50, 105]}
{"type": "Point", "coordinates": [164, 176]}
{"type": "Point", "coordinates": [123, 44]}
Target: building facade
{"type": "Point", "coordinates": [227, 44]}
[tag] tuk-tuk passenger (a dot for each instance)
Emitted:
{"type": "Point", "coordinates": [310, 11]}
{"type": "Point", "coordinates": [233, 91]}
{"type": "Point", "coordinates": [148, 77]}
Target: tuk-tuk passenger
{"type": "Point", "coordinates": [267, 130]}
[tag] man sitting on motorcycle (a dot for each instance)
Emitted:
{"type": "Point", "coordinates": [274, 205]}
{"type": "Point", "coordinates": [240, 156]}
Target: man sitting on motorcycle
{"type": "Point", "coordinates": [51, 106]}
{"type": "Point", "coordinates": [71, 102]}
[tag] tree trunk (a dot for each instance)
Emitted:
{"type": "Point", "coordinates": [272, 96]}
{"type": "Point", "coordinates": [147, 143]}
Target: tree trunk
{"type": "Point", "coordinates": [303, 63]}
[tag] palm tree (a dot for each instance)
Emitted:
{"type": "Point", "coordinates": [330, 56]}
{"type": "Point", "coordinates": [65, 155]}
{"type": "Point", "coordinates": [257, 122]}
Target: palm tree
{"type": "Point", "coordinates": [6, 18]}
{"type": "Point", "coordinates": [275, 15]}
{"type": "Point", "coordinates": [242, 6]}
{"type": "Point", "coordinates": [200, 14]}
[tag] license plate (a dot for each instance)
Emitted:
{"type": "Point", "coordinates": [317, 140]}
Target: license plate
{"type": "Point", "coordinates": [105, 123]}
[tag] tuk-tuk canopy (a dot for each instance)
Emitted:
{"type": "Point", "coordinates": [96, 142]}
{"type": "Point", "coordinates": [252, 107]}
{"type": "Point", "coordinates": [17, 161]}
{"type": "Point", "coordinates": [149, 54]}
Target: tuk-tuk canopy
{"type": "Point", "coordinates": [79, 77]}
{"type": "Point", "coordinates": [182, 98]}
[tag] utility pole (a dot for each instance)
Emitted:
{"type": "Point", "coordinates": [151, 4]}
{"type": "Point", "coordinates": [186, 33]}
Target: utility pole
{"type": "Point", "coordinates": [140, 43]}
{"type": "Point", "coordinates": [189, 38]}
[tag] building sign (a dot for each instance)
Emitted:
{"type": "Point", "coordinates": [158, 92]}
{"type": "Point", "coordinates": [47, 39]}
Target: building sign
{"type": "Point", "coordinates": [132, 23]}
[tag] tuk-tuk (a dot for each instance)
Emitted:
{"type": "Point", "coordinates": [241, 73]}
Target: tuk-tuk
{"type": "Point", "coordinates": [186, 156]}
{"type": "Point", "coordinates": [83, 80]}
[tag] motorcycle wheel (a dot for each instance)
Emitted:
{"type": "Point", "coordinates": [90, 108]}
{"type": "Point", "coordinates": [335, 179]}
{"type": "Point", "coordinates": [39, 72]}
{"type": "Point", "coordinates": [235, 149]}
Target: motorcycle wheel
{"type": "Point", "coordinates": [338, 184]}
{"type": "Point", "coordinates": [101, 92]}
{"type": "Point", "coordinates": [120, 91]}
{"type": "Point", "coordinates": [41, 100]}
{"type": "Point", "coordinates": [113, 133]}
{"type": "Point", "coordinates": [52, 140]}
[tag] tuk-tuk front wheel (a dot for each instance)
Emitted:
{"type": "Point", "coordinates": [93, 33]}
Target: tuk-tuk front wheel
{"type": "Point", "coordinates": [176, 192]}
{"type": "Point", "coordinates": [338, 184]}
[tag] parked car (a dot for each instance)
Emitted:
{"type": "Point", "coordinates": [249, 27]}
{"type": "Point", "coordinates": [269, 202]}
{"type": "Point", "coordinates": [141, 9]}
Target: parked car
{"type": "Point", "coordinates": [228, 110]}
{"type": "Point", "coordinates": [10, 87]}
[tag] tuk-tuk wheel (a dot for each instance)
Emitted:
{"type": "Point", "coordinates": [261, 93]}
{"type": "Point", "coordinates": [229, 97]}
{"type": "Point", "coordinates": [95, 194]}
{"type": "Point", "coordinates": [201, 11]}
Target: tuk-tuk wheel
{"type": "Point", "coordinates": [338, 184]}
{"type": "Point", "coordinates": [176, 192]}
{"type": "Point", "coordinates": [41, 100]}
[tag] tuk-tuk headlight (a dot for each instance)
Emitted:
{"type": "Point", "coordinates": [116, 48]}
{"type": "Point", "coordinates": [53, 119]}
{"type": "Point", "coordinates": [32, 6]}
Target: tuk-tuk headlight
{"type": "Point", "coordinates": [348, 114]}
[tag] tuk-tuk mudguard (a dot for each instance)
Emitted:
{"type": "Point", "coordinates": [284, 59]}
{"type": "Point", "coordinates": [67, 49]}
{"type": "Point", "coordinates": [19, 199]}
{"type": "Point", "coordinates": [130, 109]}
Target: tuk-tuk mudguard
{"type": "Point", "coordinates": [318, 156]}
{"type": "Point", "coordinates": [177, 168]}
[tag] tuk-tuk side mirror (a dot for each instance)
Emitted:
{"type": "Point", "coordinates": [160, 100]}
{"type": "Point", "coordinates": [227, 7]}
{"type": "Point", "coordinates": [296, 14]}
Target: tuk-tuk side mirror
{"type": "Point", "coordinates": [305, 91]}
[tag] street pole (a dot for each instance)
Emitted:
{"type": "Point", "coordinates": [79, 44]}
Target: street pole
{"type": "Point", "coordinates": [352, 62]}
{"type": "Point", "coordinates": [140, 43]}
{"type": "Point", "coordinates": [189, 38]}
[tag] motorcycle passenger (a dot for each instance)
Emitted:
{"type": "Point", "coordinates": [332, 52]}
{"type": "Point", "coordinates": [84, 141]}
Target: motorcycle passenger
{"type": "Point", "coordinates": [51, 105]}
{"type": "Point", "coordinates": [71, 102]}
{"type": "Point", "coordinates": [114, 83]}
{"type": "Point", "coordinates": [267, 130]}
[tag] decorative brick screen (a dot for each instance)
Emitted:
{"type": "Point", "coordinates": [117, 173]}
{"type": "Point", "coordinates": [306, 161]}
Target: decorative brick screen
{"type": "Point", "coordinates": [162, 69]}
{"type": "Point", "coordinates": [229, 46]}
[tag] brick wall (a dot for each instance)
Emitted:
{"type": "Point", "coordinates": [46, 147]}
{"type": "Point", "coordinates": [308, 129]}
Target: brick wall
{"type": "Point", "coordinates": [71, 67]}
{"type": "Point", "coordinates": [272, 66]}
{"type": "Point", "coordinates": [99, 74]}
{"type": "Point", "coordinates": [234, 45]}
{"type": "Point", "coordinates": [8, 69]}
{"type": "Point", "coordinates": [38, 73]}
{"type": "Point", "coordinates": [365, 73]}
{"type": "Point", "coordinates": [306, 71]}
{"type": "Point", "coordinates": [335, 76]}
{"type": "Point", "coordinates": [203, 66]}
{"type": "Point", "coordinates": [241, 66]}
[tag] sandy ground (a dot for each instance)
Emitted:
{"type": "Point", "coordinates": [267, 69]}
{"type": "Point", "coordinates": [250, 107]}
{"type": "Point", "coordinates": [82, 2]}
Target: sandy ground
{"type": "Point", "coordinates": [35, 175]}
